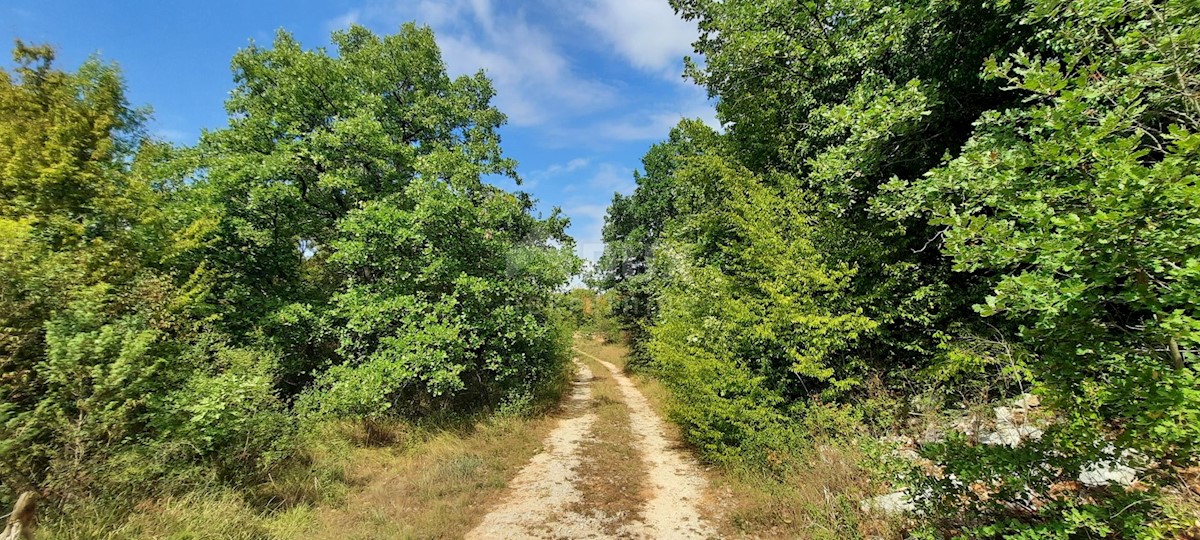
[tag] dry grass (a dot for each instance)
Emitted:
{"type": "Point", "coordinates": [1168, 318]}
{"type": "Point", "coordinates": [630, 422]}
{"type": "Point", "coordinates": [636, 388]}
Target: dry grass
{"type": "Point", "coordinates": [434, 487]}
{"type": "Point", "coordinates": [425, 483]}
{"type": "Point", "coordinates": [210, 515]}
{"type": "Point", "coordinates": [819, 501]}
{"type": "Point", "coordinates": [400, 481]}
{"type": "Point", "coordinates": [351, 481]}
{"type": "Point", "coordinates": [1182, 504]}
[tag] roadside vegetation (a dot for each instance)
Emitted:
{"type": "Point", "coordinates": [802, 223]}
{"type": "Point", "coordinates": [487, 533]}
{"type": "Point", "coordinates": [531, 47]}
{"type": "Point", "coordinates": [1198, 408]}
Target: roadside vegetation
{"type": "Point", "coordinates": [952, 243]}
{"type": "Point", "coordinates": [818, 499]}
{"type": "Point", "coordinates": [213, 341]}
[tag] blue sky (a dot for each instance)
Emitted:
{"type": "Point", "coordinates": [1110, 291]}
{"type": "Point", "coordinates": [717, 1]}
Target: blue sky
{"type": "Point", "coordinates": [587, 85]}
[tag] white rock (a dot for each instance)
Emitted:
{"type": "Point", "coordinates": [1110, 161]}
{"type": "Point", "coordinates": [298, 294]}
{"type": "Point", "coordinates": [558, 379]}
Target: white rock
{"type": "Point", "coordinates": [1011, 436]}
{"type": "Point", "coordinates": [933, 434]}
{"type": "Point", "coordinates": [967, 424]}
{"type": "Point", "coordinates": [899, 441]}
{"type": "Point", "coordinates": [1107, 472]}
{"type": "Point", "coordinates": [892, 503]}
{"type": "Point", "coordinates": [1031, 433]}
{"type": "Point", "coordinates": [907, 454]}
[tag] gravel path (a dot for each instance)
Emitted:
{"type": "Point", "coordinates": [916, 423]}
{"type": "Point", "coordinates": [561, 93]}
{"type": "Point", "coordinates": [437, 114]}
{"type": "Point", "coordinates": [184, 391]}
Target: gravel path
{"type": "Point", "coordinates": [540, 493]}
{"type": "Point", "coordinates": [539, 498]}
{"type": "Point", "coordinates": [676, 483]}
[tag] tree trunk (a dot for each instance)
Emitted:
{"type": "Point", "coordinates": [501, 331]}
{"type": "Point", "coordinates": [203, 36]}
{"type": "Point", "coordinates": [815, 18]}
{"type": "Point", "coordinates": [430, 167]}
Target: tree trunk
{"type": "Point", "coordinates": [21, 521]}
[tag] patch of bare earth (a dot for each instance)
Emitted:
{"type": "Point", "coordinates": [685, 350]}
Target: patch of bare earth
{"type": "Point", "coordinates": [819, 498]}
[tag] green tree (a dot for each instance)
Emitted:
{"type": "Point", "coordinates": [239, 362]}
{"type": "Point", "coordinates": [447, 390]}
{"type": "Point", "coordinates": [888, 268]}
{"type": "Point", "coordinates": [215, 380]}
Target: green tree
{"type": "Point", "coordinates": [98, 326]}
{"type": "Point", "coordinates": [843, 96]}
{"type": "Point", "coordinates": [1041, 214]}
{"type": "Point", "coordinates": [357, 237]}
{"type": "Point", "coordinates": [313, 136]}
{"type": "Point", "coordinates": [1083, 201]}
{"type": "Point", "coordinates": [73, 215]}
{"type": "Point", "coordinates": [753, 315]}
{"type": "Point", "coordinates": [634, 225]}
{"type": "Point", "coordinates": [448, 307]}
{"type": "Point", "coordinates": [64, 142]}
{"type": "Point", "coordinates": [167, 314]}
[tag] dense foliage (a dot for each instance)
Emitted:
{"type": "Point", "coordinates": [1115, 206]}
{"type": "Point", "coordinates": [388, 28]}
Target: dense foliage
{"type": "Point", "coordinates": [940, 202]}
{"type": "Point", "coordinates": [171, 317]}
{"type": "Point", "coordinates": [591, 313]}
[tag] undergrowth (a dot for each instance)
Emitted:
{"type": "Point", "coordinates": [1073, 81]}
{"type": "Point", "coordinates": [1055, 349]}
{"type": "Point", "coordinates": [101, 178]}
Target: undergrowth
{"type": "Point", "coordinates": [333, 472]}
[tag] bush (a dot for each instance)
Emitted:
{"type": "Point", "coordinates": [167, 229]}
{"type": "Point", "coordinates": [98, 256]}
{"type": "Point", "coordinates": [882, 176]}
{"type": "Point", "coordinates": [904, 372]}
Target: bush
{"type": "Point", "coordinates": [102, 374]}
{"type": "Point", "coordinates": [232, 419]}
{"type": "Point", "coordinates": [739, 347]}
{"type": "Point", "coordinates": [168, 314]}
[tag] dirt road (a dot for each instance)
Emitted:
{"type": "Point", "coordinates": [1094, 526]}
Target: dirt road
{"type": "Point", "coordinates": [567, 490]}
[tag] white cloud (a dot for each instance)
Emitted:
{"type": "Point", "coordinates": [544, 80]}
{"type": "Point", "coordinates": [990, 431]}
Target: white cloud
{"type": "Point", "coordinates": [647, 33]}
{"type": "Point", "coordinates": [576, 164]}
{"type": "Point", "coordinates": [641, 127]}
{"type": "Point", "coordinates": [594, 211]}
{"type": "Point", "coordinates": [588, 213]}
{"type": "Point", "coordinates": [535, 82]}
{"type": "Point", "coordinates": [534, 179]}
{"type": "Point", "coordinates": [654, 123]}
{"type": "Point", "coordinates": [562, 168]}
{"type": "Point", "coordinates": [176, 136]}
{"type": "Point", "coordinates": [610, 178]}
{"type": "Point", "coordinates": [589, 207]}
{"type": "Point", "coordinates": [602, 178]}
{"type": "Point", "coordinates": [587, 227]}
{"type": "Point", "coordinates": [344, 20]}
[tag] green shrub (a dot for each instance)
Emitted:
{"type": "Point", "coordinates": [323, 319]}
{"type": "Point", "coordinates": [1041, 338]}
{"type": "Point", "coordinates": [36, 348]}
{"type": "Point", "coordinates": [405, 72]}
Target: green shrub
{"type": "Point", "coordinates": [102, 374]}
{"type": "Point", "coordinates": [232, 420]}
{"type": "Point", "coordinates": [749, 320]}
{"type": "Point", "coordinates": [1081, 201]}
